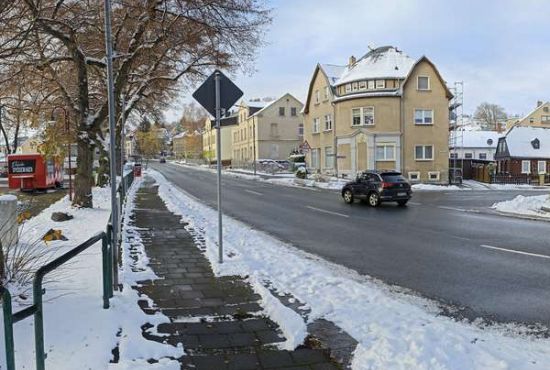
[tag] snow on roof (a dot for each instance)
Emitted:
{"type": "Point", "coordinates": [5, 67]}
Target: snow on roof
{"type": "Point", "coordinates": [480, 139]}
{"type": "Point", "coordinates": [257, 103]}
{"type": "Point", "coordinates": [333, 72]}
{"type": "Point", "coordinates": [519, 142]}
{"type": "Point", "coordinates": [382, 62]}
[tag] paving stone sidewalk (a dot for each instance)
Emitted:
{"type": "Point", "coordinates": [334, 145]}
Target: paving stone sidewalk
{"type": "Point", "coordinates": [217, 319]}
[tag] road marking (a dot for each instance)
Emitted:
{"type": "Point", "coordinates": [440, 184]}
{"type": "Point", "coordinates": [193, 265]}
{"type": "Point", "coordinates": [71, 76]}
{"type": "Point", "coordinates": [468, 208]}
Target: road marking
{"type": "Point", "coordinates": [458, 209]}
{"type": "Point", "coordinates": [515, 251]}
{"type": "Point", "coordinates": [329, 212]}
{"type": "Point", "coordinates": [252, 192]}
{"type": "Point", "coordinates": [415, 204]}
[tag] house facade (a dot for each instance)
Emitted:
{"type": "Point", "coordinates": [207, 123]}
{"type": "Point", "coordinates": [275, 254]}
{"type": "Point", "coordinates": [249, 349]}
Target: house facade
{"type": "Point", "coordinates": [524, 150]}
{"type": "Point", "coordinates": [210, 136]}
{"type": "Point", "coordinates": [188, 145]}
{"type": "Point", "coordinates": [267, 130]}
{"type": "Point", "coordinates": [383, 111]}
{"type": "Point", "coordinates": [539, 117]}
{"type": "Point", "coordinates": [475, 145]}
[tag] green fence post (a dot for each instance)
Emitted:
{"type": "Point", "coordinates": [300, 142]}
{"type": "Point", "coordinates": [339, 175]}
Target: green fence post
{"type": "Point", "coordinates": [38, 323]}
{"type": "Point", "coordinates": [8, 329]}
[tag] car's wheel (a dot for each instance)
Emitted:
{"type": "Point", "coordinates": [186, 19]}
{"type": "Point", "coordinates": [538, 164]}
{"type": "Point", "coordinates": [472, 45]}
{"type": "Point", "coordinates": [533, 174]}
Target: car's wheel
{"type": "Point", "coordinates": [402, 203]}
{"type": "Point", "coordinates": [374, 199]}
{"type": "Point", "coordinates": [348, 196]}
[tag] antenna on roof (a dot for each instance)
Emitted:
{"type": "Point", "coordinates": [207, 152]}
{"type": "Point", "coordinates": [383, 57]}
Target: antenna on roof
{"type": "Point", "coordinates": [372, 46]}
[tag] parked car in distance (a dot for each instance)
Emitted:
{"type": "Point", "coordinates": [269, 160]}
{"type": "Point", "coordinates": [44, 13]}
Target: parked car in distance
{"type": "Point", "coordinates": [376, 187]}
{"type": "Point", "coordinates": [162, 160]}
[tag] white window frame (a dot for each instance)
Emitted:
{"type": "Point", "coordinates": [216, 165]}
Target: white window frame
{"type": "Point", "coordinates": [348, 88]}
{"type": "Point", "coordinates": [362, 85]}
{"type": "Point", "coordinates": [453, 155]}
{"type": "Point", "coordinates": [316, 125]}
{"type": "Point", "coordinates": [424, 159]}
{"type": "Point", "coordinates": [482, 154]}
{"type": "Point", "coordinates": [371, 85]}
{"type": "Point", "coordinates": [293, 112]}
{"type": "Point", "coordinates": [418, 84]}
{"type": "Point", "coordinates": [523, 165]}
{"type": "Point", "coordinates": [326, 92]}
{"type": "Point", "coordinates": [380, 84]}
{"type": "Point", "coordinates": [354, 86]}
{"type": "Point", "coordinates": [437, 175]}
{"type": "Point", "coordinates": [468, 155]}
{"type": "Point", "coordinates": [423, 123]}
{"type": "Point", "coordinates": [543, 172]}
{"type": "Point", "coordinates": [412, 174]}
{"type": "Point", "coordinates": [353, 116]}
{"type": "Point", "coordinates": [329, 160]}
{"type": "Point", "coordinates": [362, 114]}
{"type": "Point", "coordinates": [300, 129]}
{"type": "Point", "coordinates": [385, 158]}
{"type": "Point", "coordinates": [328, 122]}
{"type": "Point", "coordinates": [314, 163]}
{"type": "Point", "coordinates": [545, 119]}
{"type": "Point", "coordinates": [317, 96]}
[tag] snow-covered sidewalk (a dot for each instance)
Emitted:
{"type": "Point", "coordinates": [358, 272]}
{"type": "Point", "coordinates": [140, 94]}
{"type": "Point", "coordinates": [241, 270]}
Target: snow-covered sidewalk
{"type": "Point", "coordinates": [79, 333]}
{"type": "Point", "coordinates": [533, 206]}
{"type": "Point", "coordinates": [394, 331]}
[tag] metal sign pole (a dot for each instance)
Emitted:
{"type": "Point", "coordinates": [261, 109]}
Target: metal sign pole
{"type": "Point", "coordinates": [112, 138]}
{"type": "Point", "coordinates": [219, 155]}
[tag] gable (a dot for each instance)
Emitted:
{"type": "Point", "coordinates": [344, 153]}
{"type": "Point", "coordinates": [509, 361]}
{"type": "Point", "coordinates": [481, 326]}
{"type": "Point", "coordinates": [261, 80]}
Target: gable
{"type": "Point", "coordinates": [317, 74]}
{"type": "Point", "coordinates": [424, 61]}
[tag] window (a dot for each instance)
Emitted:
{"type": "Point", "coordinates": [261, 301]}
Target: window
{"type": "Point", "coordinates": [525, 166]}
{"type": "Point", "coordinates": [300, 129]}
{"type": "Point", "coordinates": [545, 109]}
{"type": "Point", "coordinates": [468, 156]}
{"type": "Point", "coordinates": [317, 96]}
{"type": "Point", "coordinates": [531, 120]}
{"type": "Point", "coordinates": [315, 158]}
{"type": "Point", "coordinates": [293, 111]}
{"type": "Point", "coordinates": [433, 176]}
{"type": "Point", "coordinates": [371, 85]}
{"type": "Point", "coordinates": [424, 152]}
{"type": "Point", "coordinates": [274, 130]}
{"type": "Point", "coordinates": [414, 176]}
{"type": "Point", "coordinates": [348, 88]}
{"type": "Point", "coordinates": [423, 83]}
{"type": "Point", "coordinates": [482, 155]}
{"type": "Point", "coordinates": [355, 86]}
{"type": "Point", "coordinates": [368, 116]}
{"type": "Point", "coordinates": [545, 119]}
{"type": "Point", "coordinates": [453, 155]}
{"type": "Point", "coordinates": [356, 117]}
{"type": "Point", "coordinates": [423, 117]}
{"type": "Point", "coordinates": [542, 167]}
{"type": "Point", "coordinates": [329, 157]}
{"type": "Point", "coordinates": [380, 84]}
{"type": "Point", "coordinates": [326, 93]}
{"type": "Point", "coordinates": [316, 125]}
{"type": "Point", "coordinates": [281, 111]}
{"type": "Point", "coordinates": [362, 85]}
{"type": "Point", "coordinates": [385, 152]}
{"type": "Point", "coordinates": [328, 122]}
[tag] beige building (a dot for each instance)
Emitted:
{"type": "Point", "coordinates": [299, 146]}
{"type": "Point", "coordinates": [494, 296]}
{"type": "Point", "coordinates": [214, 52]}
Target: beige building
{"type": "Point", "coordinates": [383, 111]}
{"type": "Point", "coordinates": [267, 130]}
{"type": "Point", "coordinates": [188, 145]}
{"type": "Point", "coordinates": [210, 136]}
{"type": "Point", "coordinates": [539, 117]}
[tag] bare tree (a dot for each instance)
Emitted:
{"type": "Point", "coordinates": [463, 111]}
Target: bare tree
{"type": "Point", "coordinates": [490, 115]}
{"type": "Point", "coordinates": [161, 46]}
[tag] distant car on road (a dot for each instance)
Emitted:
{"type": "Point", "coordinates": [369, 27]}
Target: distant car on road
{"type": "Point", "coordinates": [376, 187]}
{"type": "Point", "coordinates": [162, 160]}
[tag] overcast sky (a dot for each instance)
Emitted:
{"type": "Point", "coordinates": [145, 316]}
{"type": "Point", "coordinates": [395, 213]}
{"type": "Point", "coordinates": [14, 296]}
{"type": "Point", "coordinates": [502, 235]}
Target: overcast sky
{"type": "Point", "coordinates": [500, 49]}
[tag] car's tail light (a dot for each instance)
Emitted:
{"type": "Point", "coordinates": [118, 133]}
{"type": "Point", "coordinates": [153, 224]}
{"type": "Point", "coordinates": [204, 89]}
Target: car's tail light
{"type": "Point", "coordinates": [387, 184]}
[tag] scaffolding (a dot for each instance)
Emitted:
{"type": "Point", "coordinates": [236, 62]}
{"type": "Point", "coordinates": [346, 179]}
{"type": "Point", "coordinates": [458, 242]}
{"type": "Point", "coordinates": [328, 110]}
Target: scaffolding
{"type": "Point", "coordinates": [456, 134]}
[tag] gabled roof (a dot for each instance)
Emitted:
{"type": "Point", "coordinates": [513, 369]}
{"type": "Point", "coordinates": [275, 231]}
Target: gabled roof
{"type": "Point", "coordinates": [480, 139]}
{"type": "Point", "coordinates": [273, 102]}
{"type": "Point", "coordinates": [533, 112]}
{"type": "Point", "coordinates": [519, 142]}
{"type": "Point", "coordinates": [332, 72]}
{"type": "Point", "coordinates": [425, 59]}
{"type": "Point", "coordinates": [382, 62]}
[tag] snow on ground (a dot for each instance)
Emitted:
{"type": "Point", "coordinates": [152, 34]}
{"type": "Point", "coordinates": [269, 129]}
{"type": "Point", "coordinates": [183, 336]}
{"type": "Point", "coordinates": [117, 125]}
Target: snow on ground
{"type": "Point", "coordinates": [476, 185]}
{"type": "Point", "coordinates": [79, 333]}
{"type": "Point", "coordinates": [394, 331]}
{"type": "Point", "coordinates": [526, 206]}
{"type": "Point", "coordinates": [432, 187]}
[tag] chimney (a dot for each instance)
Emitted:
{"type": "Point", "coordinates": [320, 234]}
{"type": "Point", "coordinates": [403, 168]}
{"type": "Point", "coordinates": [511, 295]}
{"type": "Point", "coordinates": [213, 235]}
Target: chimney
{"type": "Point", "coordinates": [539, 103]}
{"type": "Point", "coordinates": [352, 61]}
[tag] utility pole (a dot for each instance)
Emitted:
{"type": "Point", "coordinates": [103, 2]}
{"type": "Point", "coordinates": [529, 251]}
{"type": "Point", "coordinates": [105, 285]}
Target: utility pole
{"type": "Point", "coordinates": [254, 143]}
{"type": "Point", "coordinates": [112, 139]}
{"type": "Point", "coordinates": [123, 142]}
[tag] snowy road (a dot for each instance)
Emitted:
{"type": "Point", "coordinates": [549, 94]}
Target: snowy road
{"type": "Point", "coordinates": [445, 245]}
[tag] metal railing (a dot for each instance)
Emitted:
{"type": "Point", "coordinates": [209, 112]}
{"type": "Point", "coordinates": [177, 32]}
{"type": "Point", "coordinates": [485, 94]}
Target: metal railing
{"type": "Point", "coordinates": [110, 281]}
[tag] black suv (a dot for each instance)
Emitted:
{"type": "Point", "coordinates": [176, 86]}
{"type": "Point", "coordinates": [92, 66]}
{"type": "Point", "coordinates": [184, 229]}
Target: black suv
{"type": "Point", "coordinates": [378, 186]}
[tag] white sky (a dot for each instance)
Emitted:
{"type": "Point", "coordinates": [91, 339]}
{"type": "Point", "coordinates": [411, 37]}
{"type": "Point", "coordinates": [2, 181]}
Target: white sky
{"type": "Point", "coordinates": [499, 49]}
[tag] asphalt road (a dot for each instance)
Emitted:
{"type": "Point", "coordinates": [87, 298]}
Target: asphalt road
{"type": "Point", "coordinates": [446, 246]}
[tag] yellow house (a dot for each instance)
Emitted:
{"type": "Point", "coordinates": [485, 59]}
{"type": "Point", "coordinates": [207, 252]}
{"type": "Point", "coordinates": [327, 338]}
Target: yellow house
{"type": "Point", "coordinates": [188, 144]}
{"type": "Point", "coordinates": [539, 117]}
{"type": "Point", "coordinates": [267, 130]}
{"type": "Point", "coordinates": [210, 135]}
{"type": "Point", "coordinates": [383, 111]}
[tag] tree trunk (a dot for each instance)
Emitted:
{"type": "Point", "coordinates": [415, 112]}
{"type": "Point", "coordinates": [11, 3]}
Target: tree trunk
{"type": "Point", "coordinates": [103, 172]}
{"type": "Point", "coordinates": [84, 174]}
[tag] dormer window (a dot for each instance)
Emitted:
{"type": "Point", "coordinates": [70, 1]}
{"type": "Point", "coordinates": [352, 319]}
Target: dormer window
{"type": "Point", "coordinates": [489, 142]}
{"type": "Point", "coordinates": [536, 144]}
{"type": "Point", "coordinates": [362, 85]}
{"type": "Point", "coordinates": [380, 84]}
{"type": "Point", "coordinates": [371, 85]}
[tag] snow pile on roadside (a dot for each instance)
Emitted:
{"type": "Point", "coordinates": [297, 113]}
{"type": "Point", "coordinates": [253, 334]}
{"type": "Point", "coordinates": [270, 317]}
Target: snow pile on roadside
{"type": "Point", "coordinates": [79, 333]}
{"type": "Point", "coordinates": [476, 185]}
{"type": "Point", "coordinates": [431, 187]}
{"type": "Point", "coordinates": [527, 206]}
{"type": "Point", "coordinates": [392, 332]}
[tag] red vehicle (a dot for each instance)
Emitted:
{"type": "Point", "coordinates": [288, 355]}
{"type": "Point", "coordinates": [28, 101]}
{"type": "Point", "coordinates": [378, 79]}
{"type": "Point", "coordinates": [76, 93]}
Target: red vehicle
{"type": "Point", "coordinates": [33, 171]}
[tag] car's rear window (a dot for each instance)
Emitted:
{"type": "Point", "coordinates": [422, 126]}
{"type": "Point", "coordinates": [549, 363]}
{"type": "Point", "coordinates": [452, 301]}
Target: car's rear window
{"type": "Point", "coordinates": [393, 178]}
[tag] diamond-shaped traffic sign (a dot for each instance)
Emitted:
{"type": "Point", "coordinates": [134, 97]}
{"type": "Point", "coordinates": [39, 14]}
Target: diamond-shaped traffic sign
{"type": "Point", "coordinates": [206, 93]}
